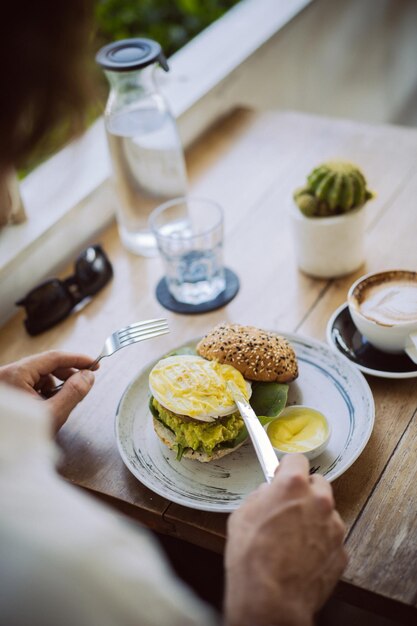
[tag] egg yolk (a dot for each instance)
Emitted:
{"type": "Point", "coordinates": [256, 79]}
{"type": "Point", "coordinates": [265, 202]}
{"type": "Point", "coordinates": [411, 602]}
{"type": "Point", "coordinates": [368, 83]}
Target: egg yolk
{"type": "Point", "coordinates": [193, 386]}
{"type": "Point", "coordinates": [300, 430]}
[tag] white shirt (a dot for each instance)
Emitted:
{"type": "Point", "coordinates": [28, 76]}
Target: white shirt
{"type": "Point", "coordinates": [65, 560]}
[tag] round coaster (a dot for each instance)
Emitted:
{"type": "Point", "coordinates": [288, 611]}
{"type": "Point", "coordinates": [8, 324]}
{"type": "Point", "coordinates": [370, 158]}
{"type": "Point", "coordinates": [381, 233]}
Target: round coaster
{"type": "Point", "coordinates": [168, 301]}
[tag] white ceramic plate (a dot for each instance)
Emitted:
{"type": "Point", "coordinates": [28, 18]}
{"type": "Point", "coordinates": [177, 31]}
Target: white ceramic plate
{"type": "Point", "coordinates": [327, 382]}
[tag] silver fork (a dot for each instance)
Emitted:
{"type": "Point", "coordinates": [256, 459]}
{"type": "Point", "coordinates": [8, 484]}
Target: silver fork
{"type": "Point", "coordinates": [139, 331]}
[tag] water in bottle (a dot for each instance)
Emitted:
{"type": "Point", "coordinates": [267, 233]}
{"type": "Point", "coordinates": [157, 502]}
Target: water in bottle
{"type": "Point", "coordinates": [147, 157]}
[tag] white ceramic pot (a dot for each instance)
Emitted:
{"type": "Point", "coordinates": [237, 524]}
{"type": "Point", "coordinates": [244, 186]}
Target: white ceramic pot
{"type": "Point", "coordinates": [328, 247]}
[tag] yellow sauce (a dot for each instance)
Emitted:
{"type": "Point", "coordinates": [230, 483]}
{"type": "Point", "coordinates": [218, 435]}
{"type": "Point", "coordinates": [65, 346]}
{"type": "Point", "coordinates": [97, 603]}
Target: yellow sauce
{"type": "Point", "coordinates": [298, 429]}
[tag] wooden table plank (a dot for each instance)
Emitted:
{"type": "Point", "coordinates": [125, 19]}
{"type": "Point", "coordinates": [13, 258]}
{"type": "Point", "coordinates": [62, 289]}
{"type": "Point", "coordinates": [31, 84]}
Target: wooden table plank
{"type": "Point", "coordinates": [383, 541]}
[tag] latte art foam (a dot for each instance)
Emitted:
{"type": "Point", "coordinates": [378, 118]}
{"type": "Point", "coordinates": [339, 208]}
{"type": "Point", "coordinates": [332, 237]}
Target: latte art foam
{"type": "Point", "coordinates": [390, 302]}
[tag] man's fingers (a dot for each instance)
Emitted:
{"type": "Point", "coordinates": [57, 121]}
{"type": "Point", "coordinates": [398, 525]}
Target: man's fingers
{"type": "Point", "coordinates": [294, 464]}
{"type": "Point", "coordinates": [292, 474]}
{"type": "Point", "coordinates": [323, 492]}
{"type": "Point", "coordinates": [47, 362]}
{"type": "Point", "coordinates": [64, 372]}
{"type": "Point", "coordinates": [45, 383]}
{"type": "Point", "coordinates": [73, 391]}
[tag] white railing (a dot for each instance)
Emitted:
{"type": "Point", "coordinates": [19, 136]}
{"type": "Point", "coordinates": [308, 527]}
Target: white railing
{"type": "Point", "coordinates": [336, 57]}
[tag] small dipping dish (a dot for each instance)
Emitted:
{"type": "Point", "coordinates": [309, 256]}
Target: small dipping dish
{"type": "Point", "coordinates": [299, 429]}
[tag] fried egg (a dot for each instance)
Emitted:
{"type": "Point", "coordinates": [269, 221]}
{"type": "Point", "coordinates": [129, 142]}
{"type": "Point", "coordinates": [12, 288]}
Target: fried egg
{"type": "Point", "coordinates": [192, 386]}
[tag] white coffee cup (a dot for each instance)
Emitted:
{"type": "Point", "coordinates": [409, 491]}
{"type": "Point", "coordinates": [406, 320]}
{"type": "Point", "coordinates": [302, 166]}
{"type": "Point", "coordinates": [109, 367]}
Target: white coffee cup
{"type": "Point", "coordinates": [383, 307]}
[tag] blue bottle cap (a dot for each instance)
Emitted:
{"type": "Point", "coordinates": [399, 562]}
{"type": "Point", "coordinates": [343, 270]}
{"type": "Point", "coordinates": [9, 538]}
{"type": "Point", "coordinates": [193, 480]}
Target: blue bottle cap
{"type": "Point", "coordinates": [131, 54]}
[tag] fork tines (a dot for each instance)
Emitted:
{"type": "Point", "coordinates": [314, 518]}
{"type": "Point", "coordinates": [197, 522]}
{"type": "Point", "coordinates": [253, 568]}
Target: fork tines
{"type": "Point", "coordinates": [143, 330]}
{"type": "Point", "coordinates": [142, 336]}
{"type": "Point", "coordinates": [146, 325]}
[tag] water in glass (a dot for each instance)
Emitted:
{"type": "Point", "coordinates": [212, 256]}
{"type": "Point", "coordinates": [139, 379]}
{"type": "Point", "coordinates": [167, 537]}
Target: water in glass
{"type": "Point", "coordinates": [197, 276]}
{"type": "Point", "coordinates": [189, 232]}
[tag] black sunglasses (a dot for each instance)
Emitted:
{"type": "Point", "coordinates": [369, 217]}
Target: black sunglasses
{"type": "Point", "coordinates": [53, 300]}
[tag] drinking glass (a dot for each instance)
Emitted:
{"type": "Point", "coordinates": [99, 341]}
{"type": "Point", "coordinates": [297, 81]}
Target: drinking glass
{"type": "Point", "coordinates": [189, 235]}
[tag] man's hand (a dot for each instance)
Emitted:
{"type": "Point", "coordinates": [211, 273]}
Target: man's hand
{"type": "Point", "coordinates": [35, 374]}
{"type": "Point", "coordinates": [285, 550]}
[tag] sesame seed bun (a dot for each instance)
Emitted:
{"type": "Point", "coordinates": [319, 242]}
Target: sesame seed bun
{"type": "Point", "coordinates": [257, 354]}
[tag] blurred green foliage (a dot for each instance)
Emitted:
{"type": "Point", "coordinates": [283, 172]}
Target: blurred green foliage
{"type": "Point", "coordinates": [172, 23]}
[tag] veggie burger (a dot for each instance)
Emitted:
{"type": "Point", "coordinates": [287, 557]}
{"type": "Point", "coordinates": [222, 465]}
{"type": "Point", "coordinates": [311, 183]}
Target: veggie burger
{"type": "Point", "coordinates": [192, 408]}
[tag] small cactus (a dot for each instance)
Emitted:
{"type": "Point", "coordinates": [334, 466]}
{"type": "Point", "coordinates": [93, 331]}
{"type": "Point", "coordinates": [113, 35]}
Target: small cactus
{"type": "Point", "coordinates": [332, 188]}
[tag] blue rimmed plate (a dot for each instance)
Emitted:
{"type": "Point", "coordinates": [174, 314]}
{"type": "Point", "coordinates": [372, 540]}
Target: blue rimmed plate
{"type": "Point", "coordinates": [327, 382]}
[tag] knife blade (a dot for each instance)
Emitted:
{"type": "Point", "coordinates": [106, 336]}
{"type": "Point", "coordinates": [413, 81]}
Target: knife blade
{"type": "Point", "coordinates": [263, 447]}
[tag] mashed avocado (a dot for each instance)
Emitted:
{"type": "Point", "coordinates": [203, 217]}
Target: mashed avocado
{"type": "Point", "coordinates": [203, 436]}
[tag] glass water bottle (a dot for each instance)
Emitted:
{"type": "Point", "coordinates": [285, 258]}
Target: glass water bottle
{"type": "Point", "coordinates": [145, 148]}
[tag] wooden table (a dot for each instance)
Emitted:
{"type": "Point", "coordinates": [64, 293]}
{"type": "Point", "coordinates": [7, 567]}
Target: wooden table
{"type": "Point", "coordinates": [251, 163]}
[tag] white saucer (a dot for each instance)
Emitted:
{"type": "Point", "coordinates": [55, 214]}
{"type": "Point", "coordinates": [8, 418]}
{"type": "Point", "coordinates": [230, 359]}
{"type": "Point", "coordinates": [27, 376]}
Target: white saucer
{"type": "Point", "coordinates": [343, 337]}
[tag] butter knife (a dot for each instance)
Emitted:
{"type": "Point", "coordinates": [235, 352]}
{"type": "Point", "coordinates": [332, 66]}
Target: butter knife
{"type": "Point", "coordinates": [263, 447]}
